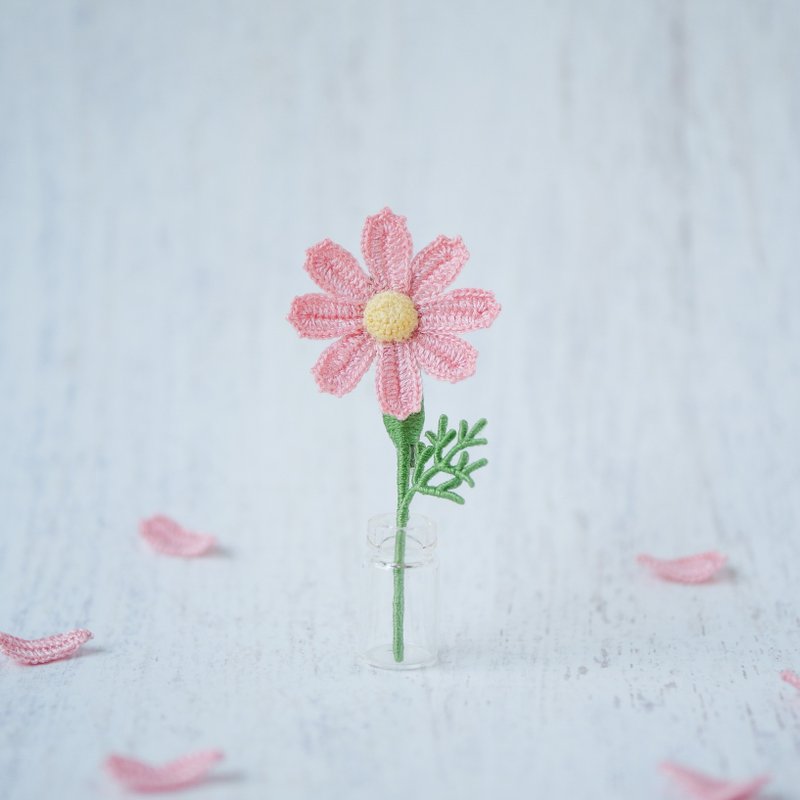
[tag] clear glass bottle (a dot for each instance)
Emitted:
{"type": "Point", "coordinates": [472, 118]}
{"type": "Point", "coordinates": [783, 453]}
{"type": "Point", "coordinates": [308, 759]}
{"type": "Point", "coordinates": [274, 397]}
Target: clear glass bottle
{"type": "Point", "coordinates": [402, 593]}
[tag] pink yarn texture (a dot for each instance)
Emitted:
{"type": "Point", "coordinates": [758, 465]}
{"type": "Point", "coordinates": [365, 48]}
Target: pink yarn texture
{"type": "Point", "coordinates": [690, 569]}
{"type": "Point", "coordinates": [704, 788]}
{"type": "Point", "coordinates": [432, 344]}
{"type": "Point", "coordinates": [791, 677]}
{"type": "Point", "coordinates": [43, 651]}
{"type": "Point", "coordinates": [170, 538]}
{"type": "Point", "coordinates": [137, 776]}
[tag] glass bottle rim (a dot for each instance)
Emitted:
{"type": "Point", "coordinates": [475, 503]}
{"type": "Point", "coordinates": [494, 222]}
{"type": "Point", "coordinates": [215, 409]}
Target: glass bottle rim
{"type": "Point", "coordinates": [383, 527]}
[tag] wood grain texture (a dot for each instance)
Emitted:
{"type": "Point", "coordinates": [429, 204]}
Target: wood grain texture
{"type": "Point", "coordinates": [627, 178]}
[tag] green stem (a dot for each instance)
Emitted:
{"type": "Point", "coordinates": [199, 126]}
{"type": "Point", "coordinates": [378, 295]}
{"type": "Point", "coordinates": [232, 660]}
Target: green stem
{"type": "Point", "coordinates": [398, 599]}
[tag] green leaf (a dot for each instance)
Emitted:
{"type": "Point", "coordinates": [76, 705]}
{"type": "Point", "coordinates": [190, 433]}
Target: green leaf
{"type": "Point", "coordinates": [452, 467]}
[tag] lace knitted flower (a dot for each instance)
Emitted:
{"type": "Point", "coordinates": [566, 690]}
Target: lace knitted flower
{"type": "Point", "coordinates": [399, 315]}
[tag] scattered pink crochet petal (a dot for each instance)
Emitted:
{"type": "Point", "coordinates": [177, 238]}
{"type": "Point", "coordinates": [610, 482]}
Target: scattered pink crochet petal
{"type": "Point", "coordinates": [691, 569]}
{"type": "Point", "coordinates": [167, 536]}
{"type": "Point", "coordinates": [792, 678]}
{"type": "Point", "coordinates": [705, 788]}
{"type": "Point", "coordinates": [43, 651]}
{"type": "Point", "coordinates": [140, 777]}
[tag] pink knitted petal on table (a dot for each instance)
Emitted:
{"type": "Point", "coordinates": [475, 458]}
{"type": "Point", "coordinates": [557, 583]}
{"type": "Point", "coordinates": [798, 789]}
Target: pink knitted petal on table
{"type": "Point", "coordinates": [170, 538]}
{"type": "Point", "coordinates": [690, 569]}
{"type": "Point", "coordinates": [138, 776]}
{"type": "Point", "coordinates": [43, 651]}
{"type": "Point", "coordinates": [436, 266]}
{"type": "Point", "coordinates": [387, 248]}
{"type": "Point", "coordinates": [705, 788]}
{"type": "Point", "coordinates": [445, 356]}
{"type": "Point", "coordinates": [397, 380]}
{"type": "Point", "coordinates": [318, 316]}
{"type": "Point", "coordinates": [343, 364]}
{"type": "Point", "coordinates": [336, 270]}
{"type": "Point", "coordinates": [458, 311]}
{"type": "Point", "coordinates": [792, 678]}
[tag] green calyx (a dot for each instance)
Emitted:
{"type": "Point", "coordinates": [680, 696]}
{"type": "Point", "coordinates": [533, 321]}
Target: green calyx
{"type": "Point", "coordinates": [405, 433]}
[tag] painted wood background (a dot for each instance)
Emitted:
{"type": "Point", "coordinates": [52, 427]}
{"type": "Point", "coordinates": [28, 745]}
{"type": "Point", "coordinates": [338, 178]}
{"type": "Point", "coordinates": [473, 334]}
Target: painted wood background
{"type": "Point", "coordinates": [627, 177]}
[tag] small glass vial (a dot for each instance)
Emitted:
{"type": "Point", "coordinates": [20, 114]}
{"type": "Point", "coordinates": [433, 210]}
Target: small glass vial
{"type": "Point", "coordinates": [402, 593]}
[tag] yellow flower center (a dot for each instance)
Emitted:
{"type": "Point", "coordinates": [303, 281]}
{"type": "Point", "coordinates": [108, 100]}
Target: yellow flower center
{"type": "Point", "coordinates": [390, 317]}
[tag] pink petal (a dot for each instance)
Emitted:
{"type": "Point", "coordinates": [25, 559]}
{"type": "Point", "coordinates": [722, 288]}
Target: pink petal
{"type": "Point", "coordinates": [386, 244]}
{"type": "Point", "coordinates": [458, 311]}
{"type": "Point", "coordinates": [397, 380]}
{"type": "Point", "coordinates": [691, 569]}
{"type": "Point", "coordinates": [445, 356]}
{"type": "Point", "coordinates": [343, 364]}
{"type": "Point", "coordinates": [706, 788]}
{"type": "Point", "coordinates": [436, 266]}
{"type": "Point", "coordinates": [168, 537]}
{"type": "Point", "coordinates": [318, 316]}
{"type": "Point", "coordinates": [792, 678]}
{"type": "Point", "coordinates": [138, 776]}
{"type": "Point", "coordinates": [42, 651]}
{"type": "Point", "coordinates": [336, 271]}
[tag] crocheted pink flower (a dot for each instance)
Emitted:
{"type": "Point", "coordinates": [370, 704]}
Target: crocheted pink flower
{"type": "Point", "coordinates": [399, 315]}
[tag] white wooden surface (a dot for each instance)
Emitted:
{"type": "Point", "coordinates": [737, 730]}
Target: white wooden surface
{"type": "Point", "coordinates": [627, 177]}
